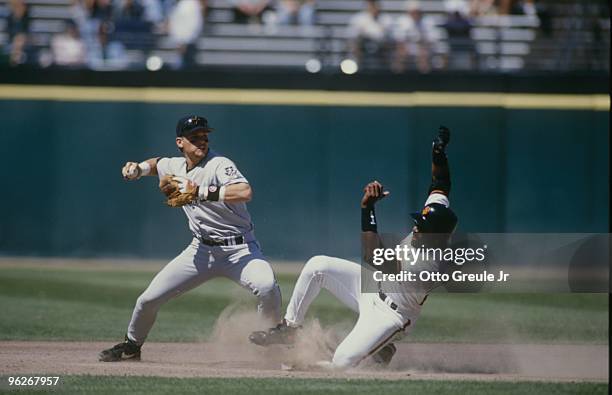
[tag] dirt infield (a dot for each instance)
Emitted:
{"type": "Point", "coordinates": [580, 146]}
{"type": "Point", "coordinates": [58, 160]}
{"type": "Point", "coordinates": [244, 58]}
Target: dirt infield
{"type": "Point", "coordinates": [413, 361]}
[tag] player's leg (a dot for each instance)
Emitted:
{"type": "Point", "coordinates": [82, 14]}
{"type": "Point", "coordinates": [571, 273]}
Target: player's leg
{"type": "Point", "coordinates": [248, 267]}
{"type": "Point", "coordinates": [186, 271]}
{"type": "Point", "coordinates": [376, 327]}
{"type": "Point", "coordinates": [340, 277]}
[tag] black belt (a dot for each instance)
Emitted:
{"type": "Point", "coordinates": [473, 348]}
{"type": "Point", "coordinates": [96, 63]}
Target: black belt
{"type": "Point", "coordinates": [230, 241]}
{"type": "Point", "coordinates": [387, 300]}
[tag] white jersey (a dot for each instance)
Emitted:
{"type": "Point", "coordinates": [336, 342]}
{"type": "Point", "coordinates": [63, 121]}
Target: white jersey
{"type": "Point", "coordinates": [409, 296]}
{"type": "Point", "coordinates": [212, 220]}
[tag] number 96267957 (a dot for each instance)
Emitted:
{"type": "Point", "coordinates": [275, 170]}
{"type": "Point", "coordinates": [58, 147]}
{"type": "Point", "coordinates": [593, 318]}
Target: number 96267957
{"type": "Point", "coordinates": [32, 380]}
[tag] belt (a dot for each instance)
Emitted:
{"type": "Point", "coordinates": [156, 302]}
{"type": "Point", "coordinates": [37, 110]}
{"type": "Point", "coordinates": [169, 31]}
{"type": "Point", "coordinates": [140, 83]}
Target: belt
{"type": "Point", "coordinates": [387, 300]}
{"type": "Point", "coordinates": [229, 241]}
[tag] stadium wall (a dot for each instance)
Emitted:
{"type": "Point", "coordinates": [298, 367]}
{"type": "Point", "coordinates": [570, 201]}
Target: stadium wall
{"type": "Point", "coordinates": [514, 170]}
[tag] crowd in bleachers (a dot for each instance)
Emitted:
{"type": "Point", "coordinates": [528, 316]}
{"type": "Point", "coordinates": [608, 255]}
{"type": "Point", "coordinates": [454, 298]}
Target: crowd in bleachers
{"type": "Point", "coordinates": [381, 41]}
{"type": "Point", "coordinates": [98, 32]}
{"type": "Point", "coordinates": [98, 29]}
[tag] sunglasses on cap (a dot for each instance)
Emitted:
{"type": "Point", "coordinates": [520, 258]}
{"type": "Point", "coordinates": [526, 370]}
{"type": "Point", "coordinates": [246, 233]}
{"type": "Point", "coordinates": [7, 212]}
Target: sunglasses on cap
{"type": "Point", "coordinates": [191, 124]}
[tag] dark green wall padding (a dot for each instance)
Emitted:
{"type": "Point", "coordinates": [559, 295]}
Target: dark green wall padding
{"type": "Point", "coordinates": [513, 171]}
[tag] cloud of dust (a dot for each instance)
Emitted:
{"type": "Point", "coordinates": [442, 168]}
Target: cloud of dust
{"type": "Point", "coordinates": [230, 341]}
{"type": "Point", "coordinates": [230, 346]}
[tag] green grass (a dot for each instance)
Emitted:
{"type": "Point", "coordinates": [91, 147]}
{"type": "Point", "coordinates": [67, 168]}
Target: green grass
{"type": "Point", "coordinates": [158, 385]}
{"type": "Point", "coordinates": [55, 303]}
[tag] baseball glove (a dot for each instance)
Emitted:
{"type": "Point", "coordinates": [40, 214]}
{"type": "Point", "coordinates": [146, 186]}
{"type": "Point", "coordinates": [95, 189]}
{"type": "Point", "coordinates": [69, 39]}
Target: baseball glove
{"type": "Point", "coordinates": [178, 191]}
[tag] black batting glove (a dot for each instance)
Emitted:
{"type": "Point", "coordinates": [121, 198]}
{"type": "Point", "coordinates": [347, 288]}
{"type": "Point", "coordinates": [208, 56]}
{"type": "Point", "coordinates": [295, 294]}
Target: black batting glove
{"type": "Point", "coordinates": [441, 141]}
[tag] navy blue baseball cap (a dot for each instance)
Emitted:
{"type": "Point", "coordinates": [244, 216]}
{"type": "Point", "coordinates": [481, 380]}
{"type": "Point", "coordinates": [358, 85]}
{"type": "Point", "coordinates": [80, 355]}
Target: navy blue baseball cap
{"type": "Point", "coordinates": [190, 124]}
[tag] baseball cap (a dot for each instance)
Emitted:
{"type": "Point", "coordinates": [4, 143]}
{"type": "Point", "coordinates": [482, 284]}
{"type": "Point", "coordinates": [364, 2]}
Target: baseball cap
{"type": "Point", "coordinates": [191, 124]}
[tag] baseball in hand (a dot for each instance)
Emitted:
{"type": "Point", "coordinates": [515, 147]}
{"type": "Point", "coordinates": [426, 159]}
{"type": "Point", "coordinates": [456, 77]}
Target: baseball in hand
{"type": "Point", "coordinates": [130, 171]}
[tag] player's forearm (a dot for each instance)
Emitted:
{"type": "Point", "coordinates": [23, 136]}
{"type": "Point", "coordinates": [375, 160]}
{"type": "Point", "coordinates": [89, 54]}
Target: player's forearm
{"type": "Point", "coordinates": [238, 193]}
{"type": "Point", "coordinates": [133, 170]}
{"type": "Point", "coordinates": [153, 166]}
{"type": "Point", "coordinates": [369, 234]}
{"type": "Point", "coordinates": [440, 172]}
{"type": "Point", "coordinates": [233, 193]}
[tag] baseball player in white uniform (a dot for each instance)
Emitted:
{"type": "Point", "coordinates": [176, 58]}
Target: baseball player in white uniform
{"type": "Point", "coordinates": [223, 244]}
{"type": "Point", "coordinates": [395, 308]}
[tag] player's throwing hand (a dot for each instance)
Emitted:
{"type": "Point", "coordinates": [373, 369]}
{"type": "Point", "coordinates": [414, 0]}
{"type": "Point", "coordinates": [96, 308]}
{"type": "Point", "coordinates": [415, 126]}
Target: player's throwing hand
{"type": "Point", "coordinates": [372, 193]}
{"type": "Point", "coordinates": [131, 171]}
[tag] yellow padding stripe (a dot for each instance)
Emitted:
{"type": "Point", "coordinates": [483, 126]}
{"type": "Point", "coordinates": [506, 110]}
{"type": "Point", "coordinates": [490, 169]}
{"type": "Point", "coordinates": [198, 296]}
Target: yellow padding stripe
{"type": "Point", "coordinates": [305, 97]}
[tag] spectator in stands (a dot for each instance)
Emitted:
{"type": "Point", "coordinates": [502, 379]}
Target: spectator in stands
{"type": "Point", "coordinates": [250, 11]}
{"type": "Point", "coordinates": [153, 11]}
{"type": "Point", "coordinates": [461, 6]}
{"type": "Point", "coordinates": [97, 26]}
{"type": "Point", "coordinates": [18, 26]}
{"type": "Point", "coordinates": [104, 30]}
{"type": "Point", "coordinates": [185, 24]}
{"type": "Point", "coordinates": [78, 13]}
{"type": "Point", "coordinates": [414, 35]}
{"type": "Point", "coordinates": [105, 53]}
{"type": "Point", "coordinates": [370, 36]}
{"type": "Point", "coordinates": [296, 12]}
{"type": "Point", "coordinates": [67, 48]}
{"type": "Point", "coordinates": [101, 10]}
{"type": "Point", "coordinates": [130, 10]}
{"type": "Point", "coordinates": [129, 18]}
{"type": "Point", "coordinates": [462, 51]}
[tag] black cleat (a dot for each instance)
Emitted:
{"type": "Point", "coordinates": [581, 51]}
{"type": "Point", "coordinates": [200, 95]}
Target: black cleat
{"type": "Point", "coordinates": [385, 354]}
{"type": "Point", "coordinates": [128, 350]}
{"type": "Point", "coordinates": [280, 334]}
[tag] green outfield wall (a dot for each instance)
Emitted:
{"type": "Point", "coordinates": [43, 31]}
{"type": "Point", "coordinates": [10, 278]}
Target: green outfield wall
{"type": "Point", "coordinates": [514, 170]}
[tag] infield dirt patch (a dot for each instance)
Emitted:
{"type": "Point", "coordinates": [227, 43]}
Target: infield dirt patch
{"type": "Point", "coordinates": [413, 361]}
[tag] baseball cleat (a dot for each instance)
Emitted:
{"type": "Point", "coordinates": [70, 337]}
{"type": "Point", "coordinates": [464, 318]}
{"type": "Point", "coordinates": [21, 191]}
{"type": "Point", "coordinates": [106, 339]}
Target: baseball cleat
{"type": "Point", "coordinates": [280, 334]}
{"type": "Point", "coordinates": [128, 350]}
{"type": "Point", "coordinates": [385, 354]}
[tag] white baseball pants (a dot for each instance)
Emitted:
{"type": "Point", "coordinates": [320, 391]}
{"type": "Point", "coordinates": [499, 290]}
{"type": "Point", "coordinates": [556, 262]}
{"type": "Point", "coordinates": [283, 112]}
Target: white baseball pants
{"type": "Point", "coordinates": [198, 263]}
{"type": "Point", "coordinates": [377, 325]}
